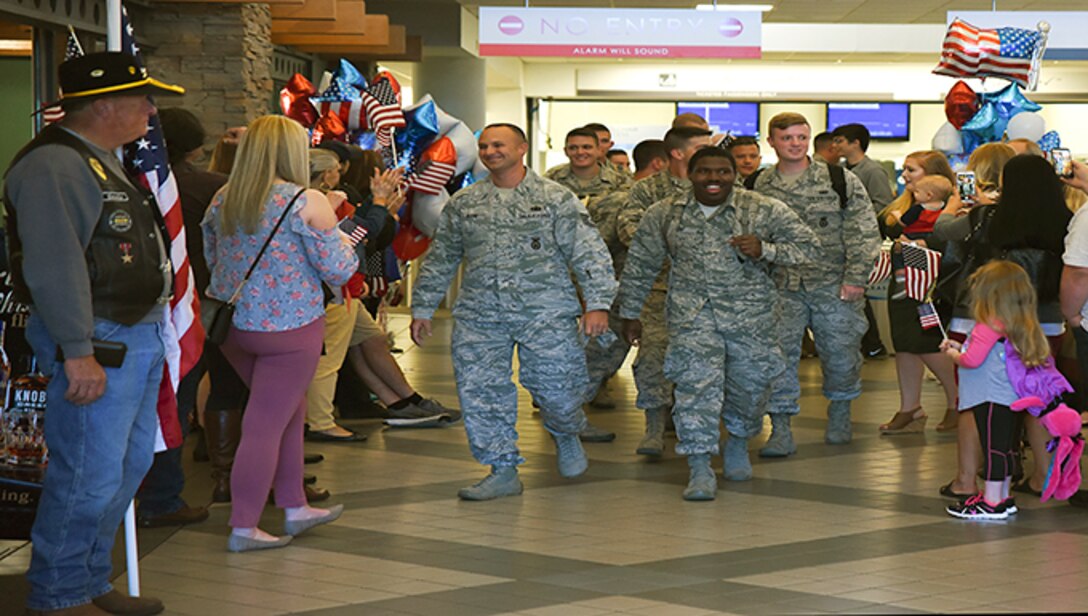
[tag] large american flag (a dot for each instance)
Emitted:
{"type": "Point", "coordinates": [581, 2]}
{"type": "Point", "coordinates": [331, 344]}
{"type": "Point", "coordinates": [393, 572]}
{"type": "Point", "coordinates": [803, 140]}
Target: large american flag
{"type": "Point", "coordinates": [344, 100]}
{"type": "Point", "coordinates": [1009, 53]}
{"type": "Point", "coordinates": [921, 266]}
{"type": "Point", "coordinates": [382, 102]}
{"type": "Point", "coordinates": [183, 334]}
{"type": "Point", "coordinates": [72, 50]}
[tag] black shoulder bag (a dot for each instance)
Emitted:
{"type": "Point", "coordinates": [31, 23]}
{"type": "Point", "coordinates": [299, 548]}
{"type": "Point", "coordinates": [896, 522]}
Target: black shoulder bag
{"type": "Point", "coordinates": [221, 314]}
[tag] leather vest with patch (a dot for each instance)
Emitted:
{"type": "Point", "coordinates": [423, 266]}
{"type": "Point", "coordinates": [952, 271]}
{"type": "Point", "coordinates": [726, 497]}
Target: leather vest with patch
{"type": "Point", "coordinates": [125, 264]}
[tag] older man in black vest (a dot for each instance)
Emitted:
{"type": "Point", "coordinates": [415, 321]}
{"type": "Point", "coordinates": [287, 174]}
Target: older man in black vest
{"type": "Point", "coordinates": [89, 254]}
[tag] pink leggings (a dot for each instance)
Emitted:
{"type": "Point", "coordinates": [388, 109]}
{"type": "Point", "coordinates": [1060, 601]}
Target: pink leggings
{"type": "Point", "coordinates": [277, 367]}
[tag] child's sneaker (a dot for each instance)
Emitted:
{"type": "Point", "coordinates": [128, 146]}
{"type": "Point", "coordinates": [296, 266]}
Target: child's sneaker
{"type": "Point", "coordinates": [976, 508]}
{"type": "Point", "coordinates": [1010, 505]}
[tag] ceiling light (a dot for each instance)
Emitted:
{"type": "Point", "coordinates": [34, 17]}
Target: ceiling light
{"type": "Point", "coordinates": [15, 45]}
{"type": "Point", "coordinates": [763, 8]}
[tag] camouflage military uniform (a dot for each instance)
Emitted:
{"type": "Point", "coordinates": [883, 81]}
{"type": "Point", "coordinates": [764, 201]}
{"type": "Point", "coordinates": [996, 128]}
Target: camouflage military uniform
{"type": "Point", "coordinates": [722, 351]}
{"type": "Point", "coordinates": [519, 246]}
{"type": "Point", "coordinates": [809, 294]}
{"type": "Point", "coordinates": [603, 197]}
{"type": "Point", "coordinates": [654, 390]}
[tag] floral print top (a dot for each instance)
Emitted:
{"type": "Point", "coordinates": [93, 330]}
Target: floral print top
{"type": "Point", "coordinates": [284, 291]}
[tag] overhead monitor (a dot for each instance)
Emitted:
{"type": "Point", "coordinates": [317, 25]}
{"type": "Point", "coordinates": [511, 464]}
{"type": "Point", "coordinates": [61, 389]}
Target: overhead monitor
{"type": "Point", "coordinates": [741, 119]}
{"type": "Point", "coordinates": [884, 120]}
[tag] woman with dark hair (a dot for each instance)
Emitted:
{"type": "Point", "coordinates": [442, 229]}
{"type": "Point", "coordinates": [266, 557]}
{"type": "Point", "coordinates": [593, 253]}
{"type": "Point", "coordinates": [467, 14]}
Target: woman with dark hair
{"type": "Point", "coordinates": [1027, 226]}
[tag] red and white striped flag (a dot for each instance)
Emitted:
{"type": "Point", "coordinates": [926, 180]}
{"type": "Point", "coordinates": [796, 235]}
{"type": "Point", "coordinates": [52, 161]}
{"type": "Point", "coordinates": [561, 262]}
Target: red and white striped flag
{"type": "Point", "coordinates": [432, 177]}
{"type": "Point", "coordinates": [183, 334]}
{"type": "Point", "coordinates": [921, 266]}
{"type": "Point", "coordinates": [882, 267]}
{"type": "Point", "coordinates": [55, 113]}
{"type": "Point", "coordinates": [351, 113]}
{"type": "Point", "coordinates": [382, 102]}
{"type": "Point", "coordinates": [1008, 53]}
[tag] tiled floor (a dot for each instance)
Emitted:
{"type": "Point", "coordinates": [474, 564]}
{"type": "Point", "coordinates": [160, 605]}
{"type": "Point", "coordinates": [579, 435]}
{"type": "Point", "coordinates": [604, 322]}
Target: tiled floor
{"type": "Point", "coordinates": [853, 529]}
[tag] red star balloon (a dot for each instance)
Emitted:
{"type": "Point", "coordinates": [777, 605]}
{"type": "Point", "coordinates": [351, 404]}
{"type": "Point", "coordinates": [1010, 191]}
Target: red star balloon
{"type": "Point", "coordinates": [961, 104]}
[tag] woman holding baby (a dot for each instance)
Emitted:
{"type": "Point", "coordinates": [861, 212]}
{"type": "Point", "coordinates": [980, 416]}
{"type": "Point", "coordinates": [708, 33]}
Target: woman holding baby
{"type": "Point", "coordinates": [929, 187]}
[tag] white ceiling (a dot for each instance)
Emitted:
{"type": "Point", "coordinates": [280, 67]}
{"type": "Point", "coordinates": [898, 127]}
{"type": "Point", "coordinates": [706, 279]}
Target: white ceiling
{"type": "Point", "coordinates": [820, 11]}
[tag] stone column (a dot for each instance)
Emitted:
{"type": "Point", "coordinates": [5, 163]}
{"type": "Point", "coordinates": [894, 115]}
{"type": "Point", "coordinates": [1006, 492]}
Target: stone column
{"type": "Point", "coordinates": [220, 53]}
{"type": "Point", "coordinates": [458, 83]}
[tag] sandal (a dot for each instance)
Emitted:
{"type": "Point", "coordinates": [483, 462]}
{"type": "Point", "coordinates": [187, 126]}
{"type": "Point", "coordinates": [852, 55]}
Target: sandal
{"type": "Point", "coordinates": [950, 422]}
{"type": "Point", "coordinates": [946, 490]}
{"type": "Point", "coordinates": [906, 422]}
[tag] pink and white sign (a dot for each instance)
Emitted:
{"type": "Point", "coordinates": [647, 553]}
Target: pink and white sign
{"type": "Point", "coordinates": [619, 33]}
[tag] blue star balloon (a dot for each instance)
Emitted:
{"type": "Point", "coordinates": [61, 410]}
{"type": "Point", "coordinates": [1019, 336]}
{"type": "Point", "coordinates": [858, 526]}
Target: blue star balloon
{"type": "Point", "coordinates": [350, 75]}
{"type": "Point", "coordinates": [1050, 141]}
{"type": "Point", "coordinates": [421, 131]}
{"type": "Point", "coordinates": [337, 92]}
{"type": "Point", "coordinates": [981, 128]}
{"type": "Point", "coordinates": [1006, 103]}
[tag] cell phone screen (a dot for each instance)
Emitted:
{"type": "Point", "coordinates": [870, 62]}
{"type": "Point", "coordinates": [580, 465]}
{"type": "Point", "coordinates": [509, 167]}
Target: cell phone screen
{"type": "Point", "coordinates": [965, 181]}
{"type": "Point", "coordinates": [1062, 159]}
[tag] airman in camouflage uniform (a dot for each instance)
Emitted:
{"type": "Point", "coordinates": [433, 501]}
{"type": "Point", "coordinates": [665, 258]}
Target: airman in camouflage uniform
{"type": "Point", "coordinates": [654, 389]}
{"type": "Point", "coordinates": [722, 351]}
{"type": "Point", "coordinates": [605, 355]}
{"type": "Point", "coordinates": [825, 295]}
{"type": "Point", "coordinates": [520, 236]}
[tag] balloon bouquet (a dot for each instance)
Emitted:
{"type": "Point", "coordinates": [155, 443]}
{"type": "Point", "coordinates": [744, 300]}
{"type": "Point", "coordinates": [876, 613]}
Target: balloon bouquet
{"type": "Point", "coordinates": [1013, 54]}
{"type": "Point", "coordinates": [436, 150]}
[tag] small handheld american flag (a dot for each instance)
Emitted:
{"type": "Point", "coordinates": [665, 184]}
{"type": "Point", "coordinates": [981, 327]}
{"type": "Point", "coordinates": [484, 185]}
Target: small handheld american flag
{"type": "Point", "coordinates": [882, 266]}
{"type": "Point", "coordinates": [73, 49]}
{"type": "Point", "coordinates": [921, 266]}
{"type": "Point", "coordinates": [381, 99]}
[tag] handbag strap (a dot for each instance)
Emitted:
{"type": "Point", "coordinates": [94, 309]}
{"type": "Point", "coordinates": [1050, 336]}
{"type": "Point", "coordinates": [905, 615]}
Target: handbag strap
{"type": "Point", "coordinates": [267, 241]}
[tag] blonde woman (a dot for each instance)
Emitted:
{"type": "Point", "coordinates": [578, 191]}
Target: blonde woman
{"type": "Point", "coordinates": [274, 342]}
{"type": "Point", "coordinates": [916, 348]}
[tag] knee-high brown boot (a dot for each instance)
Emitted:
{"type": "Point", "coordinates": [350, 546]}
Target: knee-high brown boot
{"type": "Point", "coordinates": [223, 430]}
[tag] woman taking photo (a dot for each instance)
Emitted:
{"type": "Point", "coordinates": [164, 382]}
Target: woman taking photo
{"type": "Point", "coordinates": [274, 341]}
{"type": "Point", "coordinates": [915, 348]}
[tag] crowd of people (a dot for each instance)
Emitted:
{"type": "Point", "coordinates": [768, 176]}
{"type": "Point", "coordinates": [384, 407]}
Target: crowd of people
{"type": "Point", "coordinates": [569, 269]}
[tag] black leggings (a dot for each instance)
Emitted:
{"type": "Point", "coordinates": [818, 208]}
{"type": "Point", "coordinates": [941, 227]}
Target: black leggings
{"type": "Point", "coordinates": [999, 432]}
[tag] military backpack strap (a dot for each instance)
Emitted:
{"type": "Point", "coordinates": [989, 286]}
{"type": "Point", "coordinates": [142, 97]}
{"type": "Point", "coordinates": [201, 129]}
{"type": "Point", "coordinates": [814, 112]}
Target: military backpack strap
{"type": "Point", "coordinates": [750, 181]}
{"type": "Point", "coordinates": [838, 183]}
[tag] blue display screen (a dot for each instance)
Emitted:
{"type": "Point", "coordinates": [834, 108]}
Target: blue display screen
{"type": "Point", "coordinates": [741, 119]}
{"type": "Point", "coordinates": [884, 120]}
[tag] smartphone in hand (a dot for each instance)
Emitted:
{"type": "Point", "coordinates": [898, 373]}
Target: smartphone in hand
{"type": "Point", "coordinates": [968, 188]}
{"type": "Point", "coordinates": [1062, 159]}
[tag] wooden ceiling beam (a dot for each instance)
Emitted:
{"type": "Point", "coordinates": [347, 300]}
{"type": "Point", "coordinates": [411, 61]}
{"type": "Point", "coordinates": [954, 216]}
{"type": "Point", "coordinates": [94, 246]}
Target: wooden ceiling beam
{"type": "Point", "coordinates": [324, 10]}
{"type": "Point", "coordinates": [375, 36]}
{"type": "Point", "coordinates": [397, 44]}
{"type": "Point", "coordinates": [347, 22]}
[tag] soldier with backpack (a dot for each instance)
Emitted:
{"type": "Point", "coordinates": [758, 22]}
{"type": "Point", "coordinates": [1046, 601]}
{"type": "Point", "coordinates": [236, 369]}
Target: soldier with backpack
{"type": "Point", "coordinates": [722, 350]}
{"type": "Point", "coordinates": [826, 295]}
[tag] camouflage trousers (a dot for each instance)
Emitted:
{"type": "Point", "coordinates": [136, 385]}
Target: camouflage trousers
{"type": "Point", "coordinates": [654, 389]}
{"type": "Point", "coordinates": [722, 372]}
{"type": "Point", "coordinates": [552, 367]}
{"type": "Point", "coordinates": [837, 328]}
{"type": "Point", "coordinates": [603, 361]}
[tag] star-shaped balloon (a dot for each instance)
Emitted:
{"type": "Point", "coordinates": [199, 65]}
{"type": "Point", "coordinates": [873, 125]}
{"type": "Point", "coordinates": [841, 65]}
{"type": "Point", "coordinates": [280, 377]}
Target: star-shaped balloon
{"type": "Point", "coordinates": [295, 100]}
{"type": "Point", "coordinates": [338, 91]}
{"type": "Point", "coordinates": [961, 104]}
{"type": "Point", "coordinates": [329, 128]}
{"type": "Point", "coordinates": [982, 128]}
{"type": "Point", "coordinates": [1050, 141]}
{"type": "Point", "coordinates": [350, 75]}
{"type": "Point", "coordinates": [1007, 102]}
{"type": "Point", "coordinates": [420, 132]}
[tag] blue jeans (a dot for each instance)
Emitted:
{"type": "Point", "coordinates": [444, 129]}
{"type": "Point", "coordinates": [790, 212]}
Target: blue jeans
{"type": "Point", "coordinates": [98, 455]}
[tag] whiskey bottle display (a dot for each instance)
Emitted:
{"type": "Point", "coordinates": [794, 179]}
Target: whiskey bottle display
{"type": "Point", "coordinates": [24, 420]}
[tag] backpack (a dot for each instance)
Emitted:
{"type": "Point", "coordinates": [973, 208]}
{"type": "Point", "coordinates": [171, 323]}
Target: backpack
{"type": "Point", "coordinates": [838, 182]}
